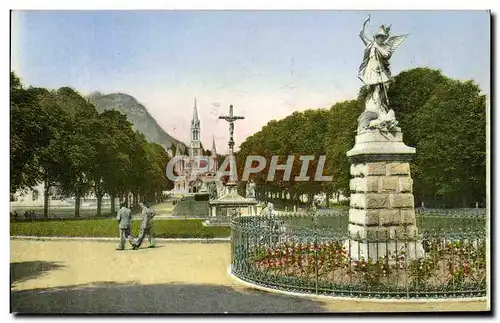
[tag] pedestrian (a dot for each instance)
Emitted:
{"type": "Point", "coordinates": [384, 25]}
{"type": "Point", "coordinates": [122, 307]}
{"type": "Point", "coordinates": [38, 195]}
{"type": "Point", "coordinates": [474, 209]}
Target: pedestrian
{"type": "Point", "coordinates": [124, 217]}
{"type": "Point", "coordinates": [146, 226]}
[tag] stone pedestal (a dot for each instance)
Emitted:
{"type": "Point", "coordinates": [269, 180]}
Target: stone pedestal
{"type": "Point", "coordinates": [231, 204]}
{"type": "Point", "coordinates": [382, 214]}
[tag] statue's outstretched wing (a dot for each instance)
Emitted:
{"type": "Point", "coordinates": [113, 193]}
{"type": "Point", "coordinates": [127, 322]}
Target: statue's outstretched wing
{"type": "Point", "coordinates": [395, 41]}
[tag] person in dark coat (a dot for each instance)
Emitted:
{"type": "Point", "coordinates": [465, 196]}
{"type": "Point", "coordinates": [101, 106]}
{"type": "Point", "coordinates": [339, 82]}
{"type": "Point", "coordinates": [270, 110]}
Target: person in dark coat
{"type": "Point", "coordinates": [124, 217]}
{"type": "Point", "coordinates": [146, 226]}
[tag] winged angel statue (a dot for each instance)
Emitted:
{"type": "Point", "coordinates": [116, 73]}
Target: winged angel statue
{"type": "Point", "coordinates": [375, 73]}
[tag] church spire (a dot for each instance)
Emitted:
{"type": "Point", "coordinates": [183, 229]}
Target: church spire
{"type": "Point", "coordinates": [195, 145]}
{"type": "Point", "coordinates": [213, 160]}
{"type": "Point", "coordinates": [195, 113]}
{"type": "Point", "coordinates": [214, 150]}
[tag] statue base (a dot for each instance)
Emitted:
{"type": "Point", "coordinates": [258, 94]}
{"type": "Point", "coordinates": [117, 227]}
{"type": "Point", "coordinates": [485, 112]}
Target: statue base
{"type": "Point", "coordinates": [372, 145]}
{"type": "Point", "coordinates": [382, 214]}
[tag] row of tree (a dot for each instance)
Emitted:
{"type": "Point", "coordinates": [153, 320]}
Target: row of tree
{"type": "Point", "coordinates": [57, 137]}
{"type": "Point", "coordinates": [445, 119]}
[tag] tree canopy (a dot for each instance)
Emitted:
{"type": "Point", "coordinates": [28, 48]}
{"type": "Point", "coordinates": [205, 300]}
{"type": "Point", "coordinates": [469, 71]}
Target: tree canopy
{"type": "Point", "coordinates": [444, 119]}
{"type": "Point", "coordinates": [59, 138]}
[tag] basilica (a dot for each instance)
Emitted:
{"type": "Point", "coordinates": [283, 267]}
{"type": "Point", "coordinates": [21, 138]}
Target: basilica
{"type": "Point", "coordinates": [198, 170]}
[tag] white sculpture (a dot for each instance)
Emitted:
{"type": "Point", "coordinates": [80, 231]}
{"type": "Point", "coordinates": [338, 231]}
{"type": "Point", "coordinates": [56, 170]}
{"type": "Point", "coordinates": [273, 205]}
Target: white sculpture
{"type": "Point", "coordinates": [221, 190]}
{"type": "Point", "coordinates": [268, 210]}
{"type": "Point", "coordinates": [250, 189]}
{"type": "Point", "coordinates": [375, 73]}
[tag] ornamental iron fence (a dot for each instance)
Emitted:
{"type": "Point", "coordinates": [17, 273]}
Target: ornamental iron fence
{"type": "Point", "coordinates": [315, 253]}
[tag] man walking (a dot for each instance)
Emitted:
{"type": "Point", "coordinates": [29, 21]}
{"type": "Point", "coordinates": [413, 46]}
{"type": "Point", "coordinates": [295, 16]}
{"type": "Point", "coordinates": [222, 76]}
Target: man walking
{"type": "Point", "coordinates": [124, 218]}
{"type": "Point", "coordinates": [146, 227]}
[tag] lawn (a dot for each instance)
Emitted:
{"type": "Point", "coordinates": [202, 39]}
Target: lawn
{"type": "Point", "coordinates": [425, 222]}
{"type": "Point", "coordinates": [165, 208]}
{"type": "Point", "coordinates": [109, 228]}
{"type": "Point", "coordinates": [59, 212]}
{"type": "Point", "coordinates": [193, 228]}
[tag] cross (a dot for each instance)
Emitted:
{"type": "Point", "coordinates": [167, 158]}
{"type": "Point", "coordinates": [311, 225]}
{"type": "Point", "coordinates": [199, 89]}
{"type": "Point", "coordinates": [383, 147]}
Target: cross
{"type": "Point", "coordinates": [231, 119]}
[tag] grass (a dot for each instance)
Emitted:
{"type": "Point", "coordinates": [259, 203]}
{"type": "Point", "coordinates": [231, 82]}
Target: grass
{"type": "Point", "coordinates": [69, 212]}
{"type": "Point", "coordinates": [60, 212]}
{"type": "Point", "coordinates": [192, 228]}
{"type": "Point", "coordinates": [446, 223]}
{"type": "Point", "coordinates": [109, 228]}
{"type": "Point", "coordinates": [165, 207]}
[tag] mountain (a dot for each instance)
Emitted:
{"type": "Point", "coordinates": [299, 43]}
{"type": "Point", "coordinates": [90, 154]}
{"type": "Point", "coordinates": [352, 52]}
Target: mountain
{"type": "Point", "coordinates": [137, 114]}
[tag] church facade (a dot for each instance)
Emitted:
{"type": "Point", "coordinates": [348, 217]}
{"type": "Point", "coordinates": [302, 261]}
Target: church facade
{"type": "Point", "coordinates": [197, 170]}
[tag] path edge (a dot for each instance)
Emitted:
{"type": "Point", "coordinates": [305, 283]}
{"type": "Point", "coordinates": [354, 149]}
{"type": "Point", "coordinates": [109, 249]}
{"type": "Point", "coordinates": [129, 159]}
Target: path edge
{"type": "Point", "coordinates": [108, 239]}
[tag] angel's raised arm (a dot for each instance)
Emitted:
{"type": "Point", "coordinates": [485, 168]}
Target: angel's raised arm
{"type": "Point", "coordinates": [362, 34]}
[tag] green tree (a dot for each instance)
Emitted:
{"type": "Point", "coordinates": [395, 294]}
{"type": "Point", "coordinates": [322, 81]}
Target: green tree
{"type": "Point", "coordinates": [302, 133]}
{"type": "Point", "coordinates": [340, 138]}
{"type": "Point", "coordinates": [443, 118]}
{"type": "Point", "coordinates": [409, 93]}
{"type": "Point", "coordinates": [451, 150]}
{"type": "Point", "coordinates": [156, 175]}
{"type": "Point", "coordinates": [50, 157]}
{"type": "Point", "coordinates": [78, 144]}
{"type": "Point", "coordinates": [32, 125]}
{"type": "Point", "coordinates": [111, 138]}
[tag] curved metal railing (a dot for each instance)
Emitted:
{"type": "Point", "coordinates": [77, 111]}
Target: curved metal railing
{"type": "Point", "coordinates": [315, 253]}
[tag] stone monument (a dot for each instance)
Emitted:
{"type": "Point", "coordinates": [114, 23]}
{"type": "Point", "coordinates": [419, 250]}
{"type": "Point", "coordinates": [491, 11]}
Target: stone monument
{"type": "Point", "coordinates": [250, 189]}
{"type": "Point", "coordinates": [229, 203]}
{"type": "Point", "coordinates": [381, 204]}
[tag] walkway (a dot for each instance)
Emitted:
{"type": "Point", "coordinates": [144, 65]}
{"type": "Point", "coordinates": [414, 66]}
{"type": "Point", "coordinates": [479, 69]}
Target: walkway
{"type": "Point", "coordinates": [79, 277]}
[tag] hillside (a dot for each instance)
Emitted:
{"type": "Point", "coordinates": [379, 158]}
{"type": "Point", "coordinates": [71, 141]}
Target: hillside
{"type": "Point", "coordinates": [136, 113]}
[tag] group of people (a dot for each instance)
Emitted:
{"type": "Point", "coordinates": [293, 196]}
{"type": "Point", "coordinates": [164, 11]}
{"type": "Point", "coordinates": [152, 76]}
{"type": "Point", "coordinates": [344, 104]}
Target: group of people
{"type": "Point", "coordinates": [124, 218]}
{"type": "Point", "coordinates": [28, 215]}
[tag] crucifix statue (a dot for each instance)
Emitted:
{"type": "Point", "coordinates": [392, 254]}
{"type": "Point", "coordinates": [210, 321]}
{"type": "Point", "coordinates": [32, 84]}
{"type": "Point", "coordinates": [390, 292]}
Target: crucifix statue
{"type": "Point", "coordinates": [231, 119]}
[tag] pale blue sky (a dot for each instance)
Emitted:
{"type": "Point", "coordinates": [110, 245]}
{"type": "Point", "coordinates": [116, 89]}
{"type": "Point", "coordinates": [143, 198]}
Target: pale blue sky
{"type": "Point", "coordinates": [266, 63]}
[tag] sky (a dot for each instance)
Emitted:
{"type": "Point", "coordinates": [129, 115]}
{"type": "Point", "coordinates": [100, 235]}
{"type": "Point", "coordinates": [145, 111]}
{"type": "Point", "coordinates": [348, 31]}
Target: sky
{"type": "Point", "coordinates": [267, 64]}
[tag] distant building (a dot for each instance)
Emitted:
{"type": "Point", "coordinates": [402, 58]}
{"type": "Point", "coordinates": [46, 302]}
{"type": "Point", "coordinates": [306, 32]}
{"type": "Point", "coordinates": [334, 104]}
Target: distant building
{"type": "Point", "coordinates": [196, 172]}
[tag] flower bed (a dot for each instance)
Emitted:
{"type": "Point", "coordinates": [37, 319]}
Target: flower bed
{"type": "Point", "coordinates": [453, 265]}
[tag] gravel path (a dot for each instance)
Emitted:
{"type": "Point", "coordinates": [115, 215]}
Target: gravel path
{"type": "Point", "coordinates": [162, 298]}
{"type": "Point", "coordinates": [92, 277]}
